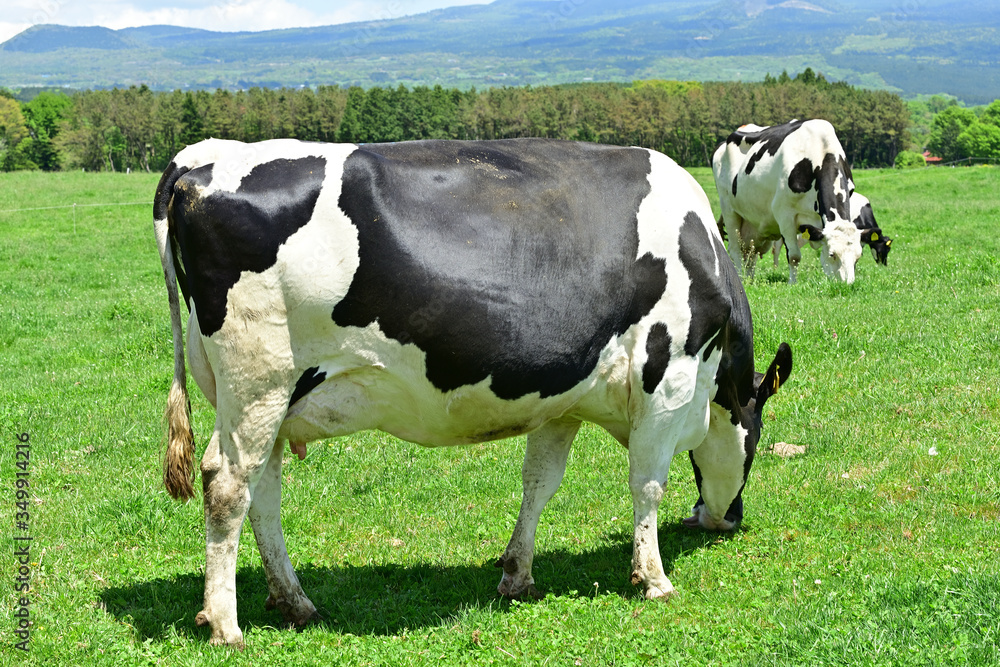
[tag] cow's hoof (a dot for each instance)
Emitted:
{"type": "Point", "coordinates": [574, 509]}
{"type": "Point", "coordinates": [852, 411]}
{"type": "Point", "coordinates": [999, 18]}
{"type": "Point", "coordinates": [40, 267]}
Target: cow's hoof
{"type": "Point", "coordinates": [527, 593]}
{"type": "Point", "coordinates": [654, 590]}
{"type": "Point", "coordinates": [299, 613]}
{"type": "Point", "coordinates": [236, 645]}
{"type": "Point", "coordinates": [661, 592]}
{"type": "Point", "coordinates": [512, 589]}
{"type": "Point", "coordinates": [702, 519]}
{"type": "Point", "coordinates": [220, 637]}
{"type": "Point", "coordinates": [515, 583]}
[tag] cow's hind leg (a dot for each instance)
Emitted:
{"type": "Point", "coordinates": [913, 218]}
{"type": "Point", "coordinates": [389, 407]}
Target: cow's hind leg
{"type": "Point", "coordinates": [285, 592]}
{"type": "Point", "coordinates": [233, 463]}
{"type": "Point", "coordinates": [544, 466]}
{"type": "Point", "coordinates": [733, 223]}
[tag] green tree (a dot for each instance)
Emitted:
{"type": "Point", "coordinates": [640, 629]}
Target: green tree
{"type": "Point", "coordinates": [380, 115]}
{"type": "Point", "coordinates": [908, 159]}
{"type": "Point", "coordinates": [192, 121]}
{"type": "Point", "coordinates": [132, 113]}
{"type": "Point", "coordinates": [331, 102]}
{"type": "Point", "coordinates": [946, 127]}
{"type": "Point", "coordinates": [991, 114]}
{"type": "Point", "coordinates": [938, 103]}
{"type": "Point", "coordinates": [81, 136]}
{"type": "Point", "coordinates": [13, 131]}
{"type": "Point", "coordinates": [43, 115]}
{"type": "Point", "coordinates": [810, 78]}
{"type": "Point", "coordinates": [351, 129]}
{"type": "Point", "coordinates": [168, 120]}
{"type": "Point", "coordinates": [981, 140]}
{"type": "Point", "coordinates": [222, 116]}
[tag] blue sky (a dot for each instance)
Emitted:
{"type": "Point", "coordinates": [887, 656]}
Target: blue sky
{"type": "Point", "coordinates": [19, 15]}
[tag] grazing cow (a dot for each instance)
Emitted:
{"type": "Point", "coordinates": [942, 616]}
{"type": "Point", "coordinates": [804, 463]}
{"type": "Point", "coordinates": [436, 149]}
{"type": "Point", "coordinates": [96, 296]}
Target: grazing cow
{"type": "Point", "coordinates": [863, 218]}
{"type": "Point", "coordinates": [775, 182]}
{"type": "Point", "coordinates": [871, 234]}
{"type": "Point", "coordinates": [450, 293]}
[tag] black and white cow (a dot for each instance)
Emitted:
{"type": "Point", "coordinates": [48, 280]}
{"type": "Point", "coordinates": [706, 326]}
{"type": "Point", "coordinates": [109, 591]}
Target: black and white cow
{"type": "Point", "coordinates": [451, 293]}
{"type": "Point", "coordinates": [863, 218]}
{"type": "Point", "coordinates": [871, 234]}
{"type": "Point", "coordinates": [775, 182]}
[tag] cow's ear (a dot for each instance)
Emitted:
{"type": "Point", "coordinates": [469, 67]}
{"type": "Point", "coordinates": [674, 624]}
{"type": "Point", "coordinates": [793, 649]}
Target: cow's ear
{"type": "Point", "coordinates": [869, 235]}
{"type": "Point", "coordinates": [777, 373]}
{"type": "Point", "coordinates": [813, 233]}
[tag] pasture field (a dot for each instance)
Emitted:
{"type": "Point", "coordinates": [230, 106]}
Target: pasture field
{"type": "Point", "coordinates": [879, 545]}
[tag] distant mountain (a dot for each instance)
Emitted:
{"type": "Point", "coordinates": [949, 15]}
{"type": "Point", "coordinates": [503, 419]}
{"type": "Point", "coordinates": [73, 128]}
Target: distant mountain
{"type": "Point", "coordinates": [913, 47]}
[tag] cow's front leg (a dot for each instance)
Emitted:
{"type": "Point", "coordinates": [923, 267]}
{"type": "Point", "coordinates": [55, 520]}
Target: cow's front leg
{"type": "Point", "coordinates": [544, 466]}
{"type": "Point", "coordinates": [787, 225]}
{"type": "Point", "coordinates": [793, 267]}
{"type": "Point", "coordinates": [285, 592]}
{"type": "Point", "coordinates": [649, 463]}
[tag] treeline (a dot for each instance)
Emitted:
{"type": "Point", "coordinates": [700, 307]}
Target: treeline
{"type": "Point", "coordinates": [958, 133]}
{"type": "Point", "coordinates": [137, 128]}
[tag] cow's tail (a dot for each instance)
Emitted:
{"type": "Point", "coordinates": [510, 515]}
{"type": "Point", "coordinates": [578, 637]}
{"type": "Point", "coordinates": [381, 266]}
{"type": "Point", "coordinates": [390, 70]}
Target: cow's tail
{"type": "Point", "coordinates": [178, 465]}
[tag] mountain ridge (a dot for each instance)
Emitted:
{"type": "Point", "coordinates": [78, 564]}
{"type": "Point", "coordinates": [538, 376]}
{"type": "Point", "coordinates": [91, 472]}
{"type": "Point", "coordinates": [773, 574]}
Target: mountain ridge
{"type": "Point", "coordinates": [931, 47]}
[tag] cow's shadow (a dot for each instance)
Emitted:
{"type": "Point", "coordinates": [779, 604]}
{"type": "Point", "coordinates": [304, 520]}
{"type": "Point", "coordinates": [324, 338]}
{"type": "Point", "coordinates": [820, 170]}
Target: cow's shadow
{"type": "Point", "coordinates": [387, 599]}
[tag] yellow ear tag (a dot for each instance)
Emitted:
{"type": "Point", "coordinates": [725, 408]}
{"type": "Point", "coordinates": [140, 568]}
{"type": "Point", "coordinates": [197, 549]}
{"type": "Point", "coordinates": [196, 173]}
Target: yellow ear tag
{"type": "Point", "coordinates": [874, 237]}
{"type": "Point", "coordinates": [774, 387]}
{"type": "Point", "coordinates": [889, 242]}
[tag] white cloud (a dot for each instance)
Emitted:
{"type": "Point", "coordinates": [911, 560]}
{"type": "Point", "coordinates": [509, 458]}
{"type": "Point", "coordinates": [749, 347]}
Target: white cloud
{"type": "Point", "coordinates": [230, 16]}
{"type": "Point", "coordinates": [8, 30]}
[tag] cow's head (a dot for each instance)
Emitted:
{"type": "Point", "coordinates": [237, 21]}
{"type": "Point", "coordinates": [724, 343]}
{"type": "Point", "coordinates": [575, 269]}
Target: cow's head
{"type": "Point", "coordinates": [720, 503]}
{"type": "Point", "coordinates": [879, 243]}
{"type": "Point", "coordinates": [840, 248]}
{"type": "Point", "coordinates": [871, 233]}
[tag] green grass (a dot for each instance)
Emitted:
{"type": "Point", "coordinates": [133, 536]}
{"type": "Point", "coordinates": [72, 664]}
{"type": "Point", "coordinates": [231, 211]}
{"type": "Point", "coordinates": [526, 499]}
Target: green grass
{"type": "Point", "coordinates": [865, 550]}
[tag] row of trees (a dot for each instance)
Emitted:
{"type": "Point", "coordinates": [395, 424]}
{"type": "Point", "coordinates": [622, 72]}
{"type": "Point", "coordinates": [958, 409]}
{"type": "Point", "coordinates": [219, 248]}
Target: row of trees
{"type": "Point", "coordinates": [137, 128]}
{"type": "Point", "coordinates": [958, 133]}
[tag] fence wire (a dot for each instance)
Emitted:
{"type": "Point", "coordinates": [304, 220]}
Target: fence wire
{"type": "Point", "coordinates": [49, 208]}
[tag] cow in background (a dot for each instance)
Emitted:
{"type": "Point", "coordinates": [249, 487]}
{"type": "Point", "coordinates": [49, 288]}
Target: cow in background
{"type": "Point", "coordinates": [863, 218]}
{"type": "Point", "coordinates": [775, 182]}
{"type": "Point", "coordinates": [871, 234]}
